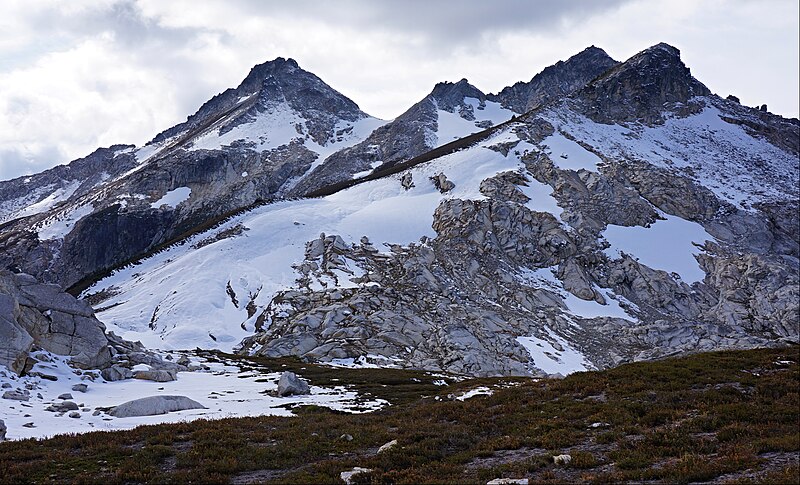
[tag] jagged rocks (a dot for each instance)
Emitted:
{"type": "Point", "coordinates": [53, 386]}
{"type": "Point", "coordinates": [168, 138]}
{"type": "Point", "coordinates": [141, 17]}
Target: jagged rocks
{"type": "Point", "coordinates": [406, 181]}
{"type": "Point", "coordinates": [441, 183]}
{"type": "Point", "coordinates": [154, 405]}
{"type": "Point", "coordinates": [291, 385]}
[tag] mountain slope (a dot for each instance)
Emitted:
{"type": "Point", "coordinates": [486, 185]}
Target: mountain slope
{"type": "Point", "coordinates": [241, 147]}
{"type": "Point", "coordinates": [565, 244]}
{"type": "Point", "coordinates": [451, 111]}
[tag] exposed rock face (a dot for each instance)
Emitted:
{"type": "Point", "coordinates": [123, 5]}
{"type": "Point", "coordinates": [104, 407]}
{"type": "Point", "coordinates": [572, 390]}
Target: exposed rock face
{"type": "Point", "coordinates": [41, 315]}
{"type": "Point", "coordinates": [64, 181]}
{"type": "Point", "coordinates": [154, 405]}
{"type": "Point", "coordinates": [556, 81]}
{"type": "Point", "coordinates": [642, 88]}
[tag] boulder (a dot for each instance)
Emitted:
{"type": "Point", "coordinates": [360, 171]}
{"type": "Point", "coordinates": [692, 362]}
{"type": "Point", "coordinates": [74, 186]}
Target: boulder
{"type": "Point", "coordinates": [562, 459]}
{"type": "Point", "coordinates": [42, 315]}
{"type": "Point", "coordinates": [154, 405]}
{"type": "Point", "coordinates": [116, 373]}
{"type": "Point", "coordinates": [388, 446]}
{"type": "Point", "coordinates": [65, 396]}
{"type": "Point", "coordinates": [17, 395]}
{"type": "Point", "coordinates": [291, 385]}
{"type": "Point", "coordinates": [347, 477]}
{"type": "Point", "coordinates": [80, 387]}
{"type": "Point", "coordinates": [3, 430]}
{"type": "Point", "coordinates": [441, 183]}
{"type": "Point", "coordinates": [155, 375]}
{"type": "Point", "coordinates": [62, 407]}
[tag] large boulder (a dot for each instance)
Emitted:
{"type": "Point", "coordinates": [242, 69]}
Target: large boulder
{"type": "Point", "coordinates": [291, 385]}
{"type": "Point", "coordinates": [41, 315]}
{"type": "Point", "coordinates": [154, 405]}
{"type": "Point", "coordinates": [3, 430]}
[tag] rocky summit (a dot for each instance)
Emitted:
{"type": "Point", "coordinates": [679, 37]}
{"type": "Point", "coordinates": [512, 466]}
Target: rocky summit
{"type": "Point", "coordinates": [601, 213]}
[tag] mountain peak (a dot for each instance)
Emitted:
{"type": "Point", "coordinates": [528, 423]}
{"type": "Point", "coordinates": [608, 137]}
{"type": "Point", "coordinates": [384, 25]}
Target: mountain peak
{"type": "Point", "coordinates": [554, 82]}
{"type": "Point", "coordinates": [450, 95]}
{"type": "Point", "coordinates": [642, 88]}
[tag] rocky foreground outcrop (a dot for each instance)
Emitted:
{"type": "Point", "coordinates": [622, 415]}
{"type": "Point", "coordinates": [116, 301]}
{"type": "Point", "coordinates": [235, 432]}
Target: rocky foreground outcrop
{"type": "Point", "coordinates": [39, 316]}
{"type": "Point", "coordinates": [35, 315]}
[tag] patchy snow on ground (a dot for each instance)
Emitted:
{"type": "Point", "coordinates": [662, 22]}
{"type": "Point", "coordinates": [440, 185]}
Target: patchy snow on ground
{"type": "Point", "coordinates": [178, 299]}
{"type": "Point", "coordinates": [669, 245]}
{"type": "Point", "coordinates": [478, 391]}
{"type": "Point", "coordinates": [555, 356]}
{"type": "Point", "coordinates": [173, 198]}
{"type": "Point", "coordinates": [224, 389]}
{"type": "Point", "coordinates": [59, 195]}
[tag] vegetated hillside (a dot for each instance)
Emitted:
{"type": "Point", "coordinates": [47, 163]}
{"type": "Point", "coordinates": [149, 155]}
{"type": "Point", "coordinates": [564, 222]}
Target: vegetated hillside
{"type": "Point", "coordinates": [722, 417]}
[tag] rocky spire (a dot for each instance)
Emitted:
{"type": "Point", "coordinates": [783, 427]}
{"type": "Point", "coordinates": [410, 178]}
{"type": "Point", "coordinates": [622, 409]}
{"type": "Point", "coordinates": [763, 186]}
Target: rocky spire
{"type": "Point", "coordinates": [277, 81]}
{"type": "Point", "coordinates": [556, 81]}
{"type": "Point", "coordinates": [642, 88]}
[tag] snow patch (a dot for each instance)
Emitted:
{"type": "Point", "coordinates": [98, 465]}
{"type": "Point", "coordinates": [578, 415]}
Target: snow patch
{"type": "Point", "coordinates": [669, 245]}
{"type": "Point", "coordinates": [173, 198]}
{"type": "Point", "coordinates": [556, 356]}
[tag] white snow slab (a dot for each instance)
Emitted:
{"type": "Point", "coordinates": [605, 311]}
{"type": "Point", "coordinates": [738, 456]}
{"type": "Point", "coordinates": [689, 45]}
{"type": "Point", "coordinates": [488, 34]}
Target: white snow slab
{"type": "Point", "coordinates": [548, 358]}
{"type": "Point", "coordinates": [541, 196]}
{"type": "Point", "coordinates": [224, 390]}
{"type": "Point", "coordinates": [669, 245]}
{"type": "Point", "coordinates": [569, 155]}
{"type": "Point", "coordinates": [173, 198]}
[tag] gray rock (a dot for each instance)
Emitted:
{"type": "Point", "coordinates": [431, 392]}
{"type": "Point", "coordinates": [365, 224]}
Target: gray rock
{"type": "Point", "coordinates": [62, 407]}
{"type": "Point", "coordinates": [155, 375]}
{"type": "Point", "coordinates": [80, 387]}
{"type": "Point", "coordinates": [17, 395]}
{"type": "Point", "coordinates": [441, 183]}
{"type": "Point", "coordinates": [407, 181]}
{"type": "Point", "coordinates": [154, 405]}
{"type": "Point", "coordinates": [3, 430]}
{"type": "Point", "coordinates": [41, 315]}
{"type": "Point", "coordinates": [65, 396]}
{"type": "Point", "coordinates": [116, 373]}
{"type": "Point", "coordinates": [74, 414]}
{"type": "Point", "coordinates": [291, 385]}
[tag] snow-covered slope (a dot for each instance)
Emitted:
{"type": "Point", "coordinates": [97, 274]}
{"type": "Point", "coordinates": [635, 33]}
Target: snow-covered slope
{"type": "Point", "coordinates": [181, 298]}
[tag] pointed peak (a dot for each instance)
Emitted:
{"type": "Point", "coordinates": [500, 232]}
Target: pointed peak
{"type": "Point", "coordinates": [592, 51]}
{"type": "Point", "coordinates": [642, 88]}
{"type": "Point", "coordinates": [663, 47]}
{"type": "Point", "coordinates": [460, 90]}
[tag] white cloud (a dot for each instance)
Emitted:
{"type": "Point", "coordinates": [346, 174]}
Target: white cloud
{"type": "Point", "coordinates": [81, 74]}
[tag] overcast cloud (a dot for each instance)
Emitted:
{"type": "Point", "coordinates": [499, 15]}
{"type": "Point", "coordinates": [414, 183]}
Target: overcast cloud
{"type": "Point", "coordinates": [86, 73]}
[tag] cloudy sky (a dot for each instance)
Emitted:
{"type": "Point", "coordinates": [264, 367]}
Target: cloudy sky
{"type": "Point", "coordinates": [79, 74]}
